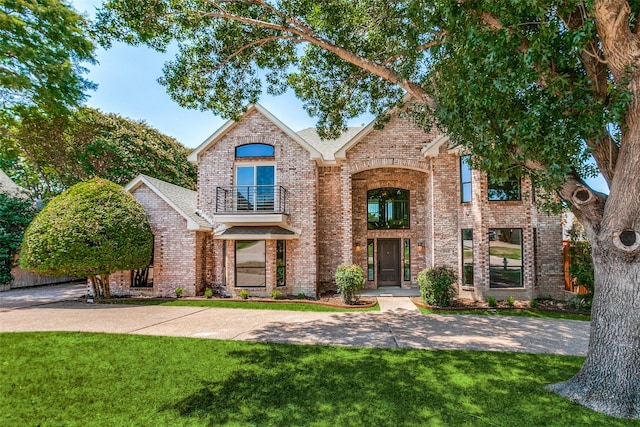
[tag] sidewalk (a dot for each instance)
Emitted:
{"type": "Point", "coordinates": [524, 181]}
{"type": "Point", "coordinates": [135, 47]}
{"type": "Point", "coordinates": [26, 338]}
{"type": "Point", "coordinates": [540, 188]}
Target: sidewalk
{"type": "Point", "coordinates": [398, 325]}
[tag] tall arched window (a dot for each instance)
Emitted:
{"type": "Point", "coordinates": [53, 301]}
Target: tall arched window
{"type": "Point", "coordinates": [387, 208]}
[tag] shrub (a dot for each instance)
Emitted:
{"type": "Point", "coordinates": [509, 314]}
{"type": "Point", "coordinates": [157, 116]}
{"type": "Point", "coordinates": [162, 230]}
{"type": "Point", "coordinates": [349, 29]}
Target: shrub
{"type": "Point", "coordinates": [302, 295]}
{"type": "Point", "coordinates": [437, 285]}
{"type": "Point", "coordinates": [350, 281]}
{"type": "Point", "coordinates": [533, 303]}
{"type": "Point", "coordinates": [510, 301]}
{"type": "Point", "coordinates": [491, 302]}
{"type": "Point", "coordinates": [208, 293]}
{"type": "Point", "coordinates": [179, 291]}
{"type": "Point", "coordinates": [580, 261]}
{"type": "Point", "coordinates": [244, 294]}
{"type": "Point", "coordinates": [275, 294]}
{"type": "Point", "coordinates": [91, 230]}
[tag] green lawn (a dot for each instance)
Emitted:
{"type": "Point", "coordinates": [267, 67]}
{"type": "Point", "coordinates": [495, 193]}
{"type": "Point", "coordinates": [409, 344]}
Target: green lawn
{"type": "Point", "coordinates": [75, 379]}
{"type": "Point", "coordinates": [256, 305]}
{"type": "Point", "coordinates": [505, 252]}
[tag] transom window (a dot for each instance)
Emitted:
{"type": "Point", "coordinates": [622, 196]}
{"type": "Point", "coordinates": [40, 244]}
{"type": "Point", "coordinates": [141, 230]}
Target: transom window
{"type": "Point", "coordinates": [387, 208]}
{"type": "Point", "coordinates": [254, 150]}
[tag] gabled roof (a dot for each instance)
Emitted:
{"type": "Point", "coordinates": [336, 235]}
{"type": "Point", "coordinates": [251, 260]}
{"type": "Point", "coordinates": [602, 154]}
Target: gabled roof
{"type": "Point", "coordinates": [231, 124]}
{"type": "Point", "coordinates": [329, 147]}
{"type": "Point", "coordinates": [182, 200]}
{"type": "Point", "coordinates": [8, 186]}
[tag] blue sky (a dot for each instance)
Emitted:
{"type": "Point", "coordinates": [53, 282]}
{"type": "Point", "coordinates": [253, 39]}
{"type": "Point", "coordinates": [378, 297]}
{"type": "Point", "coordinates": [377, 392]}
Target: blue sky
{"type": "Point", "coordinates": [127, 85]}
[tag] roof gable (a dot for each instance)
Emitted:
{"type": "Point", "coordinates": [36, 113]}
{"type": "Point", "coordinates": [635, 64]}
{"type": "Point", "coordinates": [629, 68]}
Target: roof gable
{"type": "Point", "coordinates": [182, 200]}
{"type": "Point", "coordinates": [231, 124]}
{"type": "Point", "coordinates": [8, 186]}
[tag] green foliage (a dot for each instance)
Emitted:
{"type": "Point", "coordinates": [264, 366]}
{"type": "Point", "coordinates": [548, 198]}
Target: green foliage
{"type": "Point", "coordinates": [491, 302]}
{"type": "Point", "coordinates": [208, 293]}
{"type": "Point", "coordinates": [16, 212]}
{"type": "Point", "coordinates": [581, 262]}
{"type": "Point", "coordinates": [510, 301]}
{"type": "Point", "coordinates": [302, 295]}
{"type": "Point", "coordinates": [243, 294]}
{"type": "Point", "coordinates": [42, 44]}
{"type": "Point", "coordinates": [275, 294]}
{"type": "Point", "coordinates": [437, 285]}
{"type": "Point", "coordinates": [47, 154]}
{"type": "Point", "coordinates": [179, 291]}
{"type": "Point", "coordinates": [533, 303]}
{"type": "Point", "coordinates": [350, 281]}
{"type": "Point", "coordinates": [92, 229]}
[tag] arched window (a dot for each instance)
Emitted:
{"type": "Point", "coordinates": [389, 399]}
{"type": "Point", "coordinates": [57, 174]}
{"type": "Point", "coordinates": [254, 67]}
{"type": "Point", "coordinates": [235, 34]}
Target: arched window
{"type": "Point", "coordinates": [254, 150]}
{"type": "Point", "coordinates": [387, 208]}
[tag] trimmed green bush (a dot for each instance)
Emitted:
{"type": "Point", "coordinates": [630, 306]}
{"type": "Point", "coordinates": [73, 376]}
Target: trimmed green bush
{"type": "Point", "coordinates": [208, 293]}
{"type": "Point", "coordinates": [91, 230]}
{"type": "Point", "coordinates": [437, 285]}
{"type": "Point", "coordinates": [491, 302]}
{"type": "Point", "coordinates": [350, 281]}
{"type": "Point", "coordinates": [179, 291]}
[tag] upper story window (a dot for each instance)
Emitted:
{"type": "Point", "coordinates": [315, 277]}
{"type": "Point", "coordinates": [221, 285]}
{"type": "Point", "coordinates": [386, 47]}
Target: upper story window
{"type": "Point", "coordinates": [254, 150]}
{"type": "Point", "coordinates": [465, 179]}
{"type": "Point", "coordinates": [387, 208]}
{"type": "Point", "coordinates": [504, 190]}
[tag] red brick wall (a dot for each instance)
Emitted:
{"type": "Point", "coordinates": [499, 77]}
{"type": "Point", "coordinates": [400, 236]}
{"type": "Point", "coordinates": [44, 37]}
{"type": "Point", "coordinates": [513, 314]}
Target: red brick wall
{"type": "Point", "coordinates": [296, 172]}
{"type": "Point", "coordinates": [174, 251]}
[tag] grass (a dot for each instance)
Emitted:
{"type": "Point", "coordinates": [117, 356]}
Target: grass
{"type": "Point", "coordinates": [505, 252]}
{"type": "Point", "coordinates": [514, 312]}
{"type": "Point", "coordinates": [256, 305]}
{"type": "Point", "coordinates": [75, 379]}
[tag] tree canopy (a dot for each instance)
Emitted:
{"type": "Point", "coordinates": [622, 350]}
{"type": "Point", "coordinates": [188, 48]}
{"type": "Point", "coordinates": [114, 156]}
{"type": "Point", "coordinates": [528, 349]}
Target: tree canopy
{"type": "Point", "coordinates": [529, 88]}
{"type": "Point", "coordinates": [91, 230]}
{"type": "Point", "coordinates": [42, 46]}
{"type": "Point", "coordinates": [48, 154]}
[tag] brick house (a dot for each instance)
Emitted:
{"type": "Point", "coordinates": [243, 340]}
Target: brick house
{"type": "Point", "coordinates": [276, 209]}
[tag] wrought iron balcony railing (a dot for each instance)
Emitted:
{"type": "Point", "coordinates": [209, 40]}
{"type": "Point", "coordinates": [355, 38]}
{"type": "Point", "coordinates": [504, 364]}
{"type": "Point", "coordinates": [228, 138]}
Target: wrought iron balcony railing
{"type": "Point", "coordinates": [251, 199]}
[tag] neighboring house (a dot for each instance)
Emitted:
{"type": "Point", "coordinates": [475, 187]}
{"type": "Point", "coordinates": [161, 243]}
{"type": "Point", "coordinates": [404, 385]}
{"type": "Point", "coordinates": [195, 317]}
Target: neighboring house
{"type": "Point", "coordinates": [23, 278]}
{"type": "Point", "coordinates": [276, 209]}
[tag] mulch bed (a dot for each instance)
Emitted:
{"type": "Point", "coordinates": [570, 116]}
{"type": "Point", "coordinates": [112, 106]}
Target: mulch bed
{"type": "Point", "coordinates": [460, 304]}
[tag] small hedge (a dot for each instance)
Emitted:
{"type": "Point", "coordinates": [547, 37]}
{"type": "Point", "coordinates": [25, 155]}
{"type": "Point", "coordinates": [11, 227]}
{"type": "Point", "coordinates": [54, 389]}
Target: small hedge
{"type": "Point", "coordinates": [437, 285]}
{"type": "Point", "coordinates": [350, 281]}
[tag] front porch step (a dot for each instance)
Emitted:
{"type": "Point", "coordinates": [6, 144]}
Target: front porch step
{"type": "Point", "coordinates": [396, 304]}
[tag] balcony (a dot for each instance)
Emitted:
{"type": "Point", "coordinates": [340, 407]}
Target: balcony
{"type": "Point", "coordinates": [251, 205]}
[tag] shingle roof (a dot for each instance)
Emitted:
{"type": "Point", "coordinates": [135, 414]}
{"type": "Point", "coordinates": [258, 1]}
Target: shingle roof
{"type": "Point", "coordinates": [8, 186]}
{"type": "Point", "coordinates": [328, 147]}
{"type": "Point", "coordinates": [185, 200]}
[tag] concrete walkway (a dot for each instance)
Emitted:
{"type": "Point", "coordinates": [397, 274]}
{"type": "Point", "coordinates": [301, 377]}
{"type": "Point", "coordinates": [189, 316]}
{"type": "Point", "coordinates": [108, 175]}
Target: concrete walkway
{"type": "Point", "coordinates": [397, 325]}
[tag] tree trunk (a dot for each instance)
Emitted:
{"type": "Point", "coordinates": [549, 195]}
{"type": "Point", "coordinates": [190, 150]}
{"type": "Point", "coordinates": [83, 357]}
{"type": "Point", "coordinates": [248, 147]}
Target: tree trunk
{"type": "Point", "coordinates": [609, 380]}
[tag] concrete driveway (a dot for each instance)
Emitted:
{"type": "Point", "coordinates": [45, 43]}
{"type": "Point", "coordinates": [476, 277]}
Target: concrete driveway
{"type": "Point", "coordinates": [398, 325]}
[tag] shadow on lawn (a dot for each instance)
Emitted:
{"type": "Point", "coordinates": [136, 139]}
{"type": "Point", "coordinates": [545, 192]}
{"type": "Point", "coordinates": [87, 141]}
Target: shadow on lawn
{"type": "Point", "coordinates": [413, 330]}
{"type": "Point", "coordinates": [301, 385]}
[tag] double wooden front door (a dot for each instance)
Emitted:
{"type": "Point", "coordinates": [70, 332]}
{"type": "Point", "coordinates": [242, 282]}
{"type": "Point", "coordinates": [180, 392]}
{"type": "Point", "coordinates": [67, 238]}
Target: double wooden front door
{"type": "Point", "coordinates": [389, 262]}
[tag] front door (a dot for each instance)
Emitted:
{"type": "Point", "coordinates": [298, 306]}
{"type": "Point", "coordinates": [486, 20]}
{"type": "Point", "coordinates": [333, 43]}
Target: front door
{"type": "Point", "coordinates": [388, 262]}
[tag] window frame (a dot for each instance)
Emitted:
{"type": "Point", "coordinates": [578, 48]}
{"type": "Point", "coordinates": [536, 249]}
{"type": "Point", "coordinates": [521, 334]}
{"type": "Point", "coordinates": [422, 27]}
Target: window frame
{"type": "Point", "coordinates": [255, 186]}
{"type": "Point", "coordinates": [465, 260]}
{"type": "Point", "coordinates": [263, 268]}
{"type": "Point", "coordinates": [383, 202]}
{"type": "Point", "coordinates": [371, 266]}
{"type": "Point", "coordinates": [465, 167]}
{"type": "Point", "coordinates": [281, 263]}
{"type": "Point", "coordinates": [406, 263]}
{"type": "Point", "coordinates": [253, 156]}
{"type": "Point", "coordinates": [505, 266]}
{"type": "Point", "coordinates": [500, 191]}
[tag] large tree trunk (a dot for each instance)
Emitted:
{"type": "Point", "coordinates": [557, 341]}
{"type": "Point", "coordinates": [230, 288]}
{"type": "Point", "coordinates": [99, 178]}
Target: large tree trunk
{"type": "Point", "coordinates": [609, 380]}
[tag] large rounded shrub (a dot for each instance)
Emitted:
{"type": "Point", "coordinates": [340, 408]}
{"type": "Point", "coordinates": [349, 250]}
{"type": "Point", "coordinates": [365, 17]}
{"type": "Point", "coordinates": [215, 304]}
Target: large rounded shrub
{"type": "Point", "coordinates": [437, 285]}
{"type": "Point", "coordinates": [91, 230]}
{"type": "Point", "coordinates": [350, 281]}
